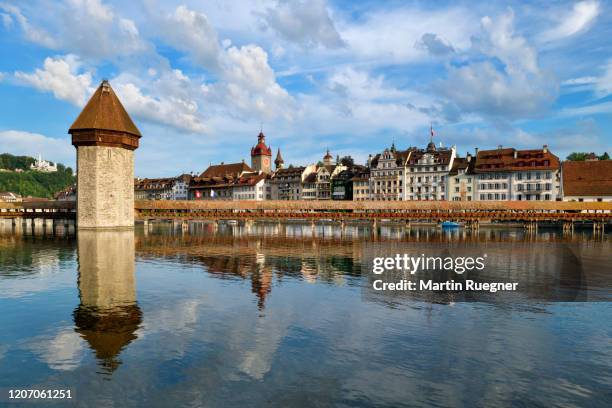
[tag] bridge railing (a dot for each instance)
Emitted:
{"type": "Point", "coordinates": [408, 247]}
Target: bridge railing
{"type": "Point", "coordinates": [42, 209]}
{"type": "Point", "coordinates": [431, 210]}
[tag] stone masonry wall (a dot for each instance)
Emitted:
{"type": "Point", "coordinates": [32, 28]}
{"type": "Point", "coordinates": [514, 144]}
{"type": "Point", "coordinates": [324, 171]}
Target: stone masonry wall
{"type": "Point", "coordinates": [105, 187]}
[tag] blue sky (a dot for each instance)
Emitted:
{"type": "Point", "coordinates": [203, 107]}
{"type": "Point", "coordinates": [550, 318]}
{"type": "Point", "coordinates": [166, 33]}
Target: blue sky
{"type": "Point", "coordinates": [199, 78]}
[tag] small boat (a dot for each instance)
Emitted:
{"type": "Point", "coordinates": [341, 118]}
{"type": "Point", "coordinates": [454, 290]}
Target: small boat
{"type": "Point", "coordinates": [450, 224]}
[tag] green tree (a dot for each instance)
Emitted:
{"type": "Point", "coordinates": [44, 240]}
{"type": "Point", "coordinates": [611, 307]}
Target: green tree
{"type": "Point", "coordinates": [577, 156]}
{"type": "Point", "coordinates": [32, 183]}
{"type": "Point", "coordinates": [604, 156]}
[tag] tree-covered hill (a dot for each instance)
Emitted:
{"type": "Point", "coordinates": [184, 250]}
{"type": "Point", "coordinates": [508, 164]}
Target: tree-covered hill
{"type": "Point", "coordinates": [10, 162]}
{"type": "Point", "coordinates": [32, 183]}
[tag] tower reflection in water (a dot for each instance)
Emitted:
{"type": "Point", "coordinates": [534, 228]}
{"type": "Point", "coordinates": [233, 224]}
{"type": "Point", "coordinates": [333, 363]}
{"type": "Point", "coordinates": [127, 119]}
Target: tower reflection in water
{"type": "Point", "coordinates": [108, 315]}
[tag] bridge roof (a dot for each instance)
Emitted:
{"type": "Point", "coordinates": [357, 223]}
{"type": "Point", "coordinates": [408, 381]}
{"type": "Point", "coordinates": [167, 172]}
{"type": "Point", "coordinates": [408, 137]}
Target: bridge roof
{"type": "Point", "coordinates": [104, 111]}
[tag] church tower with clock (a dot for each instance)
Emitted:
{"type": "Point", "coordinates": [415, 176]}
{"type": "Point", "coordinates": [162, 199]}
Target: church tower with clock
{"type": "Point", "coordinates": [261, 155]}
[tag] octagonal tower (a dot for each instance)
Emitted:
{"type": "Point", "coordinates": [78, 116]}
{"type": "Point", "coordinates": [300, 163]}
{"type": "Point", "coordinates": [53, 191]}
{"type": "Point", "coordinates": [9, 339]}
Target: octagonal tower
{"type": "Point", "coordinates": [105, 139]}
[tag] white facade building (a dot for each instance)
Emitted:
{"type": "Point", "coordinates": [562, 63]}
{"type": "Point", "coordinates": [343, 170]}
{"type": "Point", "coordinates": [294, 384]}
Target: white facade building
{"type": "Point", "coordinates": [510, 174]}
{"type": "Point", "coordinates": [250, 187]}
{"type": "Point", "coordinates": [427, 171]}
{"type": "Point", "coordinates": [387, 174]}
{"type": "Point", "coordinates": [43, 165]}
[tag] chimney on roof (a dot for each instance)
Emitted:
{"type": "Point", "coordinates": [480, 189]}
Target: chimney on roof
{"type": "Point", "coordinates": [545, 148]}
{"type": "Point", "coordinates": [476, 151]}
{"type": "Point", "coordinates": [468, 157]}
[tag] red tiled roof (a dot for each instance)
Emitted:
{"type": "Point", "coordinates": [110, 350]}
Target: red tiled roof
{"type": "Point", "coordinates": [461, 163]}
{"type": "Point", "coordinates": [587, 178]}
{"type": "Point", "coordinates": [289, 172]}
{"type": "Point", "coordinates": [498, 160]}
{"type": "Point", "coordinates": [250, 179]}
{"type": "Point", "coordinates": [223, 170]}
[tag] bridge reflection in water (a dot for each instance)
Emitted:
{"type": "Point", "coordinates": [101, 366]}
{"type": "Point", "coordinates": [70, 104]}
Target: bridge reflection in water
{"type": "Point", "coordinates": [108, 315]}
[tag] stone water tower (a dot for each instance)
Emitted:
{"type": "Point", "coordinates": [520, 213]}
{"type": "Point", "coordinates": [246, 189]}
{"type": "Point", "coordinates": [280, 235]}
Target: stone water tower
{"type": "Point", "coordinates": [105, 139]}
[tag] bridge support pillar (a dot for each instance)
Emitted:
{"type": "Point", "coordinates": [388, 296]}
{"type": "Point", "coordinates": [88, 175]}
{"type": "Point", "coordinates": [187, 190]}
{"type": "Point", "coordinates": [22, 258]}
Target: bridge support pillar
{"type": "Point", "coordinates": [598, 227]}
{"type": "Point", "coordinates": [37, 226]}
{"type": "Point", "coordinates": [531, 226]}
{"type": "Point", "coordinates": [18, 225]}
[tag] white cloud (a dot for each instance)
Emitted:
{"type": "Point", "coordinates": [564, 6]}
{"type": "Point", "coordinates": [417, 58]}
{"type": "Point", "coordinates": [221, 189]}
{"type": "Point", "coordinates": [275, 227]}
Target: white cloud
{"type": "Point", "coordinates": [34, 34]}
{"type": "Point", "coordinates": [502, 42]}
{"type": "Point", "coordinates": [580, 19]}
{"type": "Point", "coordinates": [60, 76]}
{"type": "Point", "coordinates": [600, 108]}
{"type": "Point", "coordinates": [62, 352]}
{"type": "Point", "coordinates": [355, 84]}
{"type": "Point", "coordinates": [191, 32]}
{"type": "Point", "coordinates": [91, 28]}
{"type": "Point", "coordinates": [482, 88]}
{"type": "Point", "coordinates": [166, 99]}
{"type": "Point", "coordinates": [58, 150]}
{"type": "Point", "coordinates": [603, 84]}
{"type": "Point", "coordinates": [390, 35]}
{"type": "Point", "coordinates": [580, 81]}
{"type": "Point", "coordinates": [170, 110]}
{"type": "Point", "coordinates": [248, 86]}
{"type": "Point", "coordinates": [307, 23]}
{"type": "Point", "coordinates": [88, 28]}
{"type": "Point", "coordinates": [94, 9]}
{"type": "Point", "coordinates": [516, 89]}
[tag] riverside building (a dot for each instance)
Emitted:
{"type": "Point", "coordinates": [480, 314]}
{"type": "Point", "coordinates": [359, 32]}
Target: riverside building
{"type": "Point", "coordinates": [589, 180]}
{"type": "Point", "coordinates": [427, 171]}
{"type": "Point", "coordinates": [510, 174]}
{"type": "Point", "coordinates": [387, 174]}
{"type": "Point", "coordinates": [461, 179]}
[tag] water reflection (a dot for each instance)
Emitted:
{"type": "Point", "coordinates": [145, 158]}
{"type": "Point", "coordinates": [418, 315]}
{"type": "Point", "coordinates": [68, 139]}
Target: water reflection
{"type": "Point", "coordinates": [108, 314]}
{"type": "Point", "coordinates": [274, 315]}
{"type": "Point", "coordinates": [549, 266]}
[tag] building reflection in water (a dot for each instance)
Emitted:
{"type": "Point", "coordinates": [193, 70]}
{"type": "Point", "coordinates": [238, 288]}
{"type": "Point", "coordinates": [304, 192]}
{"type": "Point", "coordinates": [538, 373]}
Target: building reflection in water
{"type": "Point", "coordinates": [108, 315]}
{"type": "Point", "coordinates": [548, 265]}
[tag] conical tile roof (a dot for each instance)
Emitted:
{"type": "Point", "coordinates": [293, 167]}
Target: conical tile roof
{"type": "Point", "coordinates": [104, 111]}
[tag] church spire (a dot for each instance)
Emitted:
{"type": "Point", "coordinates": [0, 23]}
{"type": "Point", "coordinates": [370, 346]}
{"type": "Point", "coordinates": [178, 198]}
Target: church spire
{"type": "Point", "coordinates": [279, 162]}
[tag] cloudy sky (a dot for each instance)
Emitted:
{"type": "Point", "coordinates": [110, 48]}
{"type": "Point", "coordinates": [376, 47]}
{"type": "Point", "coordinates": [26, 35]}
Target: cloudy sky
{"type": "Point", "coordinates": [200, 78]}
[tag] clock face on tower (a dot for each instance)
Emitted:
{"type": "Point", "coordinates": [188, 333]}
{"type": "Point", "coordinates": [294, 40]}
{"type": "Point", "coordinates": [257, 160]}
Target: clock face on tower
{"type": "Point", "coordinates": [266, 161]}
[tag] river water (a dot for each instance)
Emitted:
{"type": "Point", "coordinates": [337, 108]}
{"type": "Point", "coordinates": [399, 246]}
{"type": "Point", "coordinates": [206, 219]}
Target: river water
{"type": "Point", "coordinates": [283, 315]}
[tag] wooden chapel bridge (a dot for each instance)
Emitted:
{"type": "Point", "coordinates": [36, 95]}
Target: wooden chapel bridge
{"type": "Point", "coordinates": [471, 213]}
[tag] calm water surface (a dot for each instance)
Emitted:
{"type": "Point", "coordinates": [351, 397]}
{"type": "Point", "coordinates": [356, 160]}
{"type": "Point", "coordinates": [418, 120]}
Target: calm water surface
{"type": "Point", "coordinates": [277, 315]}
